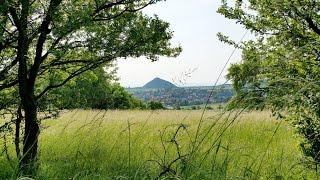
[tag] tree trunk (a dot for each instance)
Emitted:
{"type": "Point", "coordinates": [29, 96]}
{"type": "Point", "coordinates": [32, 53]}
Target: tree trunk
{"type": "Point", "coordinates": [28, 161]}
{"type": "Point", "coordinates": [17, 133]}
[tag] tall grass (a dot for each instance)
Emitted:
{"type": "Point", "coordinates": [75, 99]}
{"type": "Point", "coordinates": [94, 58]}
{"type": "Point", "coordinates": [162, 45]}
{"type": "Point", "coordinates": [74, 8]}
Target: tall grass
{"type": "Point", "coordinates": [161, 144]}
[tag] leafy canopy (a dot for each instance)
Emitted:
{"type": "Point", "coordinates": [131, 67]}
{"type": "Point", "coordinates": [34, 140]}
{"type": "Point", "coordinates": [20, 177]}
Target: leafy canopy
{"type": "Point", "coordinates": [66, 38]}
{"type": "Point", "coordinates": [280, 68]}
{"type": "Point", "coordinates": [94, 89]}
{"type": "Point", "coordinates": [46, 43]}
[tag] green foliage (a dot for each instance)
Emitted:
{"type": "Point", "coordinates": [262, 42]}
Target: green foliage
{"type": "Point", "coordinates": [280, 68]}
{"type": "Point", "coordinates": [94, 89]}
{"type": "Point", "coordinates": [45, 44]}
{"type": "Point", "coordinates": [63, 39]}
{"type": "Point", "coordinates": [154, 105]}
{"type": "Point", "coordinates": [195, 107]}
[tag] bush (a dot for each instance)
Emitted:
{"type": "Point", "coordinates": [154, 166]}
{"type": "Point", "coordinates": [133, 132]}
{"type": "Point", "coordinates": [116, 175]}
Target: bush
{"type": "Point", "coordinates": [154, 105]}
{"type": "Point", "coordinates": [93, 90]}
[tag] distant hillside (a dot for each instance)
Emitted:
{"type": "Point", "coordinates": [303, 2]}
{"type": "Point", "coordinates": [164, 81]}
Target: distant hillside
{"type": "Point", "coordinates": [158, 83]}
{"type": "Point", "coordinates": [184, 96]}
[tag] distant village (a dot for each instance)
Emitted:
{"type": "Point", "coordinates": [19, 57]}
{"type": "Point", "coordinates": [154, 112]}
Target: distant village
{"type": "Point", "coordinates": [173, 96]}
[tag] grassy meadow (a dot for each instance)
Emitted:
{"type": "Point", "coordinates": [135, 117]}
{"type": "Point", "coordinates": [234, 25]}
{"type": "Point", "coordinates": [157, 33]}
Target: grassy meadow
{"type": "Point", "coordinates": [84, 144]}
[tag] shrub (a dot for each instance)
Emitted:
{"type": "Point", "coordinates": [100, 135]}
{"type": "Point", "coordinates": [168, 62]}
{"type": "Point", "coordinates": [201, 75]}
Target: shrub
{"type": "Point", "coordinates": [154, 105]}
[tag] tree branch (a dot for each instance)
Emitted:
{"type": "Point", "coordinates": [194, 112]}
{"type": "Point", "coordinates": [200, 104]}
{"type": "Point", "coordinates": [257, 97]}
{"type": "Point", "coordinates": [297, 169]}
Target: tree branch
{"type": "Point", "coordinates": [8, 85]}
{"type": "Point", "coordinates": [312, 25]}
{"type": "Point", "coordinates": [109, 5]}
{"type": "Point", "coordinates": [75, 74]}
{"type": "Point", "coordinates": [44, 31]}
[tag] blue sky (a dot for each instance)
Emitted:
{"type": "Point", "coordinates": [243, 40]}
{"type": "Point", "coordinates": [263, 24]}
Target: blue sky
{"type": "Point", "coordinates": [195, 24]}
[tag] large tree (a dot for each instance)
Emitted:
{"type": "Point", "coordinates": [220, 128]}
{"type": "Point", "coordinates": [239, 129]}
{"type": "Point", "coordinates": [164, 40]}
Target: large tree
{"type": "Point", "coordinates": [280, 69]}
{"type": "Point", "coordinates": [46, 43]}
{"type": "Point", "coordinates": [94, 89]}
